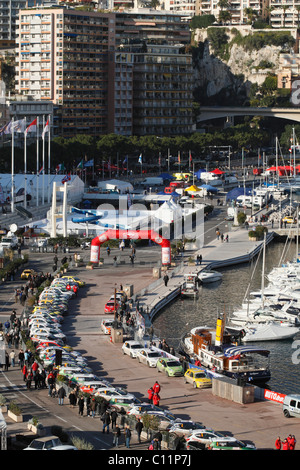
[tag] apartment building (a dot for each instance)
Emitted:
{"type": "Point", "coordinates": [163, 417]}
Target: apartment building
{"type": "Point", "coordinates": [284, 13]}
{"type": "Point", "coordinates": [236, 8]}
{"type": "Point", "coordinates": [75, 59]}
{"type": "Point", "coordinates": [63, 57]}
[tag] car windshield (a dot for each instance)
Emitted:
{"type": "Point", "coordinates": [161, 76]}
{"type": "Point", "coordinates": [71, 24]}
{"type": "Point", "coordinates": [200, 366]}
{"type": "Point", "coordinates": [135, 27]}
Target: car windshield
{"type": "Point", "coordinates": [173, 364]}
{"type": "Point", "coordinates": [36, 445]}
{"type": "Point", "coordinates": [135, 346]}
{"type": "Point", "coordinates": [153, 354]}
{"type": "Point", "coordinates": [200, 375]}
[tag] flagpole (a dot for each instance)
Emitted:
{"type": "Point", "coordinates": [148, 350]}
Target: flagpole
{"type": "Point", "coordinates": [25, 166]}
{"type": "Point", "coordinates": [49, 159]}
{"type": "Point", "coordinates": [12, 168]}
{"type": "Point", "coordinates": [43, 169]}
{"type": "Point", "coordinates": [37, 162]}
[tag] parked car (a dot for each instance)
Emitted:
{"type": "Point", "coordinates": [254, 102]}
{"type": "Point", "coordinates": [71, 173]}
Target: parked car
{"type": "Point", "coordinates": [171, 367]}
{"type": "Point", "coordinates": [184, 427]}
{"type": "Point", "coordinates": [106, 325]}
{"type": "Point", "coordinates": [148, 357]}
{"type": "Point", "coordinates": [132, 348]}
{"type": "Point", "coordinates": [205, 436]}
{"type": "Point", "coordinates": [230, 444]}
{"type": "Point", "coordinates": [197, 378]}
{"type": "Point", "coordinates": [27, 272]}
{"type": "Point", "coordinates": [111, 306]}
{"type": "Point", "coordinates": [44, 443]}
{"type": "Point", "coordinates": [142, 408]}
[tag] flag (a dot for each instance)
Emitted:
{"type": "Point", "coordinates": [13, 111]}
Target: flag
{"type": "Point", "coordinates": [89, 163]}
{"type": "Point", "coordinates": [14, 126]}
{"type": "Point", "coordinates": [32, 127]}
{"type": "Point", "coordinates": [140, 159]}
{"type": "Point", "coordinates": [125, 160]}
{"type": "Point", "coordinates": [80, 165]}
{"type": "Point", "coordinates": [46, 129]}
{"type": "Point", "coordinates": [66, 178]}
{"type": "Point", "coordinates": [178, 157]}
{"type": "Point", "coordinates": [191, 158]}
{"type": "Point", "coordinates": [41, 170]}
{"type": "Point", "coordinates": [3, 129]}
{"type": "Point", "coordinates": [60, 167]}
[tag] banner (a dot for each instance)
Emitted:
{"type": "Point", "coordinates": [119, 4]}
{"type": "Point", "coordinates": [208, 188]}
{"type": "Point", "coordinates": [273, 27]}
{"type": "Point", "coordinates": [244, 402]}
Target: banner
{"type": "Point", "coordinates": [274, 396]}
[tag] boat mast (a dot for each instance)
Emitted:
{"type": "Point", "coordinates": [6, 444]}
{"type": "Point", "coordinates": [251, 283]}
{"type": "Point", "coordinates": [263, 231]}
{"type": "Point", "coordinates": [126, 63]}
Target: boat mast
{"type": "Point", "coordinates": [263, 272]}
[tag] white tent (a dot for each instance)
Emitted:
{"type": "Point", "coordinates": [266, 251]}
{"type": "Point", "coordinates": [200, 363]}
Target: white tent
{"type": "Point", "coordinates": [39, 184]}
{"type": "Point", "coordinates": [168, 212]}
{"type": "Point", "coordinates": [116, 185]}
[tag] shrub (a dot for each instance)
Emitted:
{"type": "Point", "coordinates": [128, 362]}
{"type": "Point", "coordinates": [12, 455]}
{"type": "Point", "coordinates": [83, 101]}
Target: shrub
{"type": "Point", "coordinates": [81, 444]}
{"type": "Point", "coordinates": [15, 409]}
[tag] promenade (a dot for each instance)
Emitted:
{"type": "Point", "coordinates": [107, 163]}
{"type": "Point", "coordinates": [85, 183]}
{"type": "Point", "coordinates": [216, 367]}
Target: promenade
{"type": "Point", "coordinates": [260, 422]}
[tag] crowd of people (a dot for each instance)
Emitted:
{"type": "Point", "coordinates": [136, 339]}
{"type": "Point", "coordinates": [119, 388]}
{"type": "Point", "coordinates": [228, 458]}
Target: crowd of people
{"type": "Point", "coordinates": [286, 444]}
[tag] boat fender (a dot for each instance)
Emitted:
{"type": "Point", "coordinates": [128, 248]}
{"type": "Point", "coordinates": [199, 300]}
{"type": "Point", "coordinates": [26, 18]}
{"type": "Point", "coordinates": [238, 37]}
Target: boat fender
{"type": "Point", "coordinates": [243, 333]}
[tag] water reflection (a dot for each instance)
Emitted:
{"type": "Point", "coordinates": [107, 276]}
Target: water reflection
{"type": "Point", "coordinates": [226, 296]}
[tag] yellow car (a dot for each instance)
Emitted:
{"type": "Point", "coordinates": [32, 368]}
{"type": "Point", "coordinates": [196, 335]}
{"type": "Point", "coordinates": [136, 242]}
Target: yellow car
{"type": "Point", "coordinates": [27, 272]}
{"type": "Point", "coordinates": [288, 219]}
{"type": "Point", "coordinates": [197, 378]}
{"type": "Point", "coordinates": [74, 279]}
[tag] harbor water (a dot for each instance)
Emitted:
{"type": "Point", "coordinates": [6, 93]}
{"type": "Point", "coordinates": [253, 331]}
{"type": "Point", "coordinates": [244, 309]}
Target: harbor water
{"type": "Point", "coordinates": [226, 296]}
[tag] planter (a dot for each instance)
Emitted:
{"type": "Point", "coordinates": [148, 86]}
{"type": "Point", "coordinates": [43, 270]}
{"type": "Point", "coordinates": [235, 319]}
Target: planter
{"type": "Point", "coordinates": [252, 239]}
{"type": "Point", "coordinates": [36, 430]}
{"type": "Point", "coordinates": [16, 418]}
{"type": "Point", "coordinates": [89, 266]}
{"type": "Point", "coordinates": [3, 408]}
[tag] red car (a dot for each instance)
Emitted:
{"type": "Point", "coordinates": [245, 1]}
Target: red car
{"type": "Point", "coordinates": [110, 306]}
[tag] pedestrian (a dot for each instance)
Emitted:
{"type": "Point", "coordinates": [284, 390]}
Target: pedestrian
{"type": "Point", "coordinates": [116, 435]}
{"type": "Point", "coordinates": [106, 421]}
{"type": "Point", "coordinates": [93, 407]}
{"type": "Point", "coordinates": [61, 395]}
{"type": "Point", "coordinates": [108, 251]}
{"type": "Point", "coordinates": [156, 399]}
{"type": "Point", "coordinates": [156, 387]}
{"type": "Point", "coordinates": [139, 427]}
{"type": "Point", "coordinates": [21, 358]}
{"type": "Point", "coordinates": [6, 361]}
{"type": "Point", "coordinates": [127, 434]}
{"type": "Point", "coordinates": [80, 405]}
{"type": "Point", "coordinates": [24, 372]}
{"type": "Point", "coordinates": [150, 395]}
{"type": "Point", "coordinates": [166, 279]}
{"type": "Point", "coordinates": [51, 383]}
{"type": "Point", "coordinates": [28, 380]}
{"type": "Point", "coordinates": [113, 416]}
{"type": "Point", "coordinates": [222, 237]}
{"type": "Point", "coordinates": [278, 443]}
{"type": "Point", "coordinates": [12, 357]}
{"type": "Point", "coordinates": [158, 438]}
{"type": "Point", "coordinates": [227, 238]}
{"type": "Point", "coordinates": [285, 445]}
{"type": "Point", "coordinates": [122, 412]}
{"type": "Point", "coordinates": [72, 399]}
{"type": "Point", "coordinates": [292, 442]}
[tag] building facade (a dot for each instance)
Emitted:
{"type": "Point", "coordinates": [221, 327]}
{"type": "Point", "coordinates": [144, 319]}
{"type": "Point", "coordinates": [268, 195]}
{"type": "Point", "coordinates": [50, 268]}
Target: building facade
{"type": "Point", "coordinates": [75, 59]}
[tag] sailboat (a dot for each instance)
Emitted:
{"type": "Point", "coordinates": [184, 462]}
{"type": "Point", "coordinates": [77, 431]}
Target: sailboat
{"type": "Point", "coordinates": [270, 327]}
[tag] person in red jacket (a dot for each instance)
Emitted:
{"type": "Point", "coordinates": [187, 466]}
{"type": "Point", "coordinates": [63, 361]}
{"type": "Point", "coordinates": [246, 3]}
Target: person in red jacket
{"type": "Point", "coordinates": [156, 387]}
{"type": "Point", "coordinates": [24, 372]}
{"type": "Point", "coordinates": [292, 442]}
{"type": "Point", "coordinates": [156, 399]}
{"type": "Point", "coordinates": [278, 443]}
{"type": "Point", "coordinates": [150, 395]}
{"type": "Point", "coordinates": [285, 445]}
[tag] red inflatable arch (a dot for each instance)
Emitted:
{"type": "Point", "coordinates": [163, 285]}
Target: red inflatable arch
{"type": "Point", "coordinates": [131, 235]}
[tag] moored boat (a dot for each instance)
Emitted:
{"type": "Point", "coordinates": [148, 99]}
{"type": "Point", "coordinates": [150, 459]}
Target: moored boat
{"type": "Point", "coordinates": [217, 352]}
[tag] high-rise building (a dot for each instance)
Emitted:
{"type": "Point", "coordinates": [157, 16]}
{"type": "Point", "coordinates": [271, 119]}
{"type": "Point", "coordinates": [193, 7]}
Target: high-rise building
{"type": "Point", "coordinates": [76, 59]}
{"type": "Point", "coordinates": [9, 12]}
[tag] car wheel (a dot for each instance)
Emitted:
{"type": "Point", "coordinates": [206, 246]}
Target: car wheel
{"type": "Point", "coordinates": [286, 414]}
{"type": "Point", "coordinates": [194, 385]}
{"type": "Point", "coordinates": [167, 373]}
